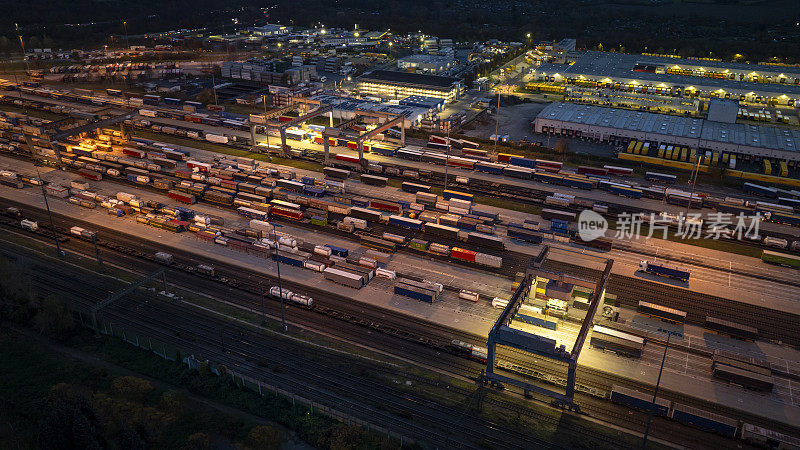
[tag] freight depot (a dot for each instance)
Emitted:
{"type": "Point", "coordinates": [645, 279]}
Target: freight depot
{"type": "Point", "coordinates": [438, 249]}
{"type": "Point", "coordinates": [284, 212]}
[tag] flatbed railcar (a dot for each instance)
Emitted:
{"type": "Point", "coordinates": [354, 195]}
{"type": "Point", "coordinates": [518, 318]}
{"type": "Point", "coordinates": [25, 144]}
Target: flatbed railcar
{"type": "Point", "coordinates": [661, 312]}
{"type": "Point", "coordinates": [413, 188]}
{"type": "Point", "coordinates": [732, 329]}
{"type": "Point", "coordinates": [763, 437]}
{"type": "Point", "coordinates": [550, 214]}
{"type": "Point", "coordinates": [378, 244]}
{"type": "Point", "coordinates": [745, 378]}
{"type": "Point", "coordinates": [603, 244]}
{"type": "Point", "coordinates": [617, 341]}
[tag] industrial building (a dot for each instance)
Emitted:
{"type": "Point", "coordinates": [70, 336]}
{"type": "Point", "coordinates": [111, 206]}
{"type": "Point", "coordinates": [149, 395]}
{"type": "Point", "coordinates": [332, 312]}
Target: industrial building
{"type": "Point", "coordinates": [398, 85]}
{"type": "Point", "coordinates": [420, 63]}
{"type": "Point", "coordinates": [680, 77]}
{"type": "Point", "coordinates": [346, 108]}
{"type": "Point", "coordinates": [619, 125]}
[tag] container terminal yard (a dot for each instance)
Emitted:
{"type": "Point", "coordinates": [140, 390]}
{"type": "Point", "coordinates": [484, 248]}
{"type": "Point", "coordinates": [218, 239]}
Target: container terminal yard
{"type": "Point", "coordinates": [393, 236]}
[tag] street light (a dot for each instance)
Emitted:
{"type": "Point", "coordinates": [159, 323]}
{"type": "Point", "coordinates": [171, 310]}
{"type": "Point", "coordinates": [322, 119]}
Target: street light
{"type": "Point", "coordinates": [658, 382]}
{"type": "Point", "coordinates": [280, 287]}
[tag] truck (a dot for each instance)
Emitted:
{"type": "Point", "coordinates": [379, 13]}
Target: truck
{"type": "Point", "coordinates": [29, 225]}
{"type": "Point", "coordinates": [164, 258]}
{"type": "Point", "coordinates": [664, 271]}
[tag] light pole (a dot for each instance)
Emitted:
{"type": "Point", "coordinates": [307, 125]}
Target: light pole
{"type": "Point", "coordinates": [127, 42]}
{"type": "Point", "coordinates": [497, 122]}
{"type": "Point", "coordinates": [658, 382]}
{"type": "Point", "coordinates": [693, 180]}
{"type": "Point", "coordinates": [49, 213]}
{"type": "Point", "coordinates": [280, 287]}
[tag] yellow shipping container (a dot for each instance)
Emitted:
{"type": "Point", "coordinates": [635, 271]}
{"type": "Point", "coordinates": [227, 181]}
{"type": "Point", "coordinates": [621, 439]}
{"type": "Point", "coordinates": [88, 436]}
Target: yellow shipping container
{"type": "Point", "coordinates": [631, 146]}
{"type": "Point", "coordinates": [683, 154]}
{"type": "Point", "coordinates": [784, 169]}
{"type": "Point", "coordinates": [669, 152]}
{"type": "Point", "coordinates": [638, 149]}
{"type": "Point", "coordinates": [763, 178]}
{"type": "Point", "coordinates": [661, 150]}
{"type": "Point", "coordinates": [725, 158]}
{"type": "Point", "coordinates": [661, 162]}
{"type": "Point", "coordinates": [715, 158]}
{"type": "Point", "coordinates": [767, 167]}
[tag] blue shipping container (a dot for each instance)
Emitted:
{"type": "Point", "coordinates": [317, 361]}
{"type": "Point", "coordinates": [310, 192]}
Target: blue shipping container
{"type": "Point", "coordinates": [360, 202]}
{"type": "Point", "coordinates": [539, 322]}
{"type": "Point", "coordinates": [308, 180]}
{"type": "Point", "coordinates": [686, 415]}
{"type": "Point", "coordinates": [338, 251]}
{"type": "Point", "coordinates": [405, 222]}
{"type": "Point", "coordinates": [522, 162]}
{"type": "Point", "coordinates": [407, 291]}
{"type": "Point", "coordinates": [524, 235]}
{"type": "Point", "coordinates": [625, 191]}
{"type": "Point", "coordinates": [289, 259]}
{"type": "Point", "coordinates": [496, 169]}
{"type": "Point", "coordinates": [638, 403]}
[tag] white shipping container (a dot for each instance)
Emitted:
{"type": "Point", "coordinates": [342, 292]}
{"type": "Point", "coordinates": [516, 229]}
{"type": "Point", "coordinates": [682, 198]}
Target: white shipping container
{"type": "Point", "coordinates": [125, 197]}
{"type": "Point", "coordinates": [498, 302]}
{"type": "Point", "coordinates": [458, 203]}
{"type": "Point", "coordinates": [443, 206]}
{"type": "Point", "coordinates": [489, 260]}
{"type": "Point", "coordinates": [322, 250]}
{"type": "Point", "coordinates": [417, 207]}
{"type": "Point", "coordinates": [216, 138]}
{"type": "Point", "coordinates": [57, 191]}
{"type": "Point", "coordinates": [459, 211]}
{"type": "Point", "coordinates": [360, 224]}
{"type": "Point", "coordinates": [462, 180]}
{"type": "Point", "coordinates": [314, 265]}
{"type": "Point", "coordinates": [80, 185]}
{"type": "Point", "coordinates": [29, 225]}
{"type": "Point", "coordinates": [367, 262]}
{"type": "Point", "coordinates": [468, 295]}
{"type": "Point", "coordinates": [260, 225]}
{"type": "Point", "coordinates": [385, 273]}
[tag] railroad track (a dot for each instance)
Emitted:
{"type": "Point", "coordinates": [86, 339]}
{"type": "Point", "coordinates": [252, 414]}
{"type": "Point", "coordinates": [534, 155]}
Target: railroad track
{"type": "Point", "coordinates": [772, 324]}
{"type": "Point", "coordinates": [438, 344]}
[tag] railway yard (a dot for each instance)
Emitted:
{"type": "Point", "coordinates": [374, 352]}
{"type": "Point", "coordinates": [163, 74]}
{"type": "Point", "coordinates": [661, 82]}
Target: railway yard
{"type": "Point", "coordinates": [399, 245]}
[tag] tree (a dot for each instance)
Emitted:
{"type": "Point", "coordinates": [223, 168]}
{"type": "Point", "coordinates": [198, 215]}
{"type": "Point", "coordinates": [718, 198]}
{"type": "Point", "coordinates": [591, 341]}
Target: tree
{"type": "Point", "coordinates": [206, 97]}
{"type": "Point", "coordinates": [264, 437]}
{"type": "Point", "coordinates": [53, 318]}
{"type": "Point", "coordinates": [70, 422]}
{"type": "Point", "coordinates": [197, 441]}
{"type": "Point", "coordinates": [173, 403]}
{"type": "Point", "coordinates": [131, 388]}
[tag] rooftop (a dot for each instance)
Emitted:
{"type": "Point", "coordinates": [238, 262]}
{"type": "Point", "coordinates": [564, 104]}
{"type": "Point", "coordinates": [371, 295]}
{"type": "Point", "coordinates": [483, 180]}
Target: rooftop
{"type": "Point", "coordinates": [410, 78]}
{"type": "Point", "coordinates": [686, 127]}
{"type": "Point", "coordinates": [619, 65]}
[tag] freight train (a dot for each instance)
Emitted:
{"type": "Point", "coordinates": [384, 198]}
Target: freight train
{"type": "Point", "coordinates": [703, 419]}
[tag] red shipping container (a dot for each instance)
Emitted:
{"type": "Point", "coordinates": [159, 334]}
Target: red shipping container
{"type": "Point", "coordinates": [384, 206]}
{"type": "Point", "coordinates": [133, 152]}
{"type": "Point", "coordinates": [506, 157]}
{"type": "Point", "coordinates": [592, 170]}
{"type": "Point", "coordinates": [288, 213]}
{"type": "Point", "coordinates": [437, 139]}
{"type": "Point", "coordinates": [318, 140]}
{"type": "Point", "coordinates": [348, 158]}
{"type": "Point", "coordinates": [463, 254]}
{"type": "Point", "coordinates": [228, 184]}
{"type": "Point", "coordinates": [352, 145]}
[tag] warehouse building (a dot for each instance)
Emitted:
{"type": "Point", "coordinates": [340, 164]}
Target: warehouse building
{"type": "Point", "coordinates": [398, 85]}
{"type": "Point", "coordinates": [620, 125]}
{"type": "Point", "coordinates": [680, 77]}
{"type": "Point", "coordinates": [419, 63]}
